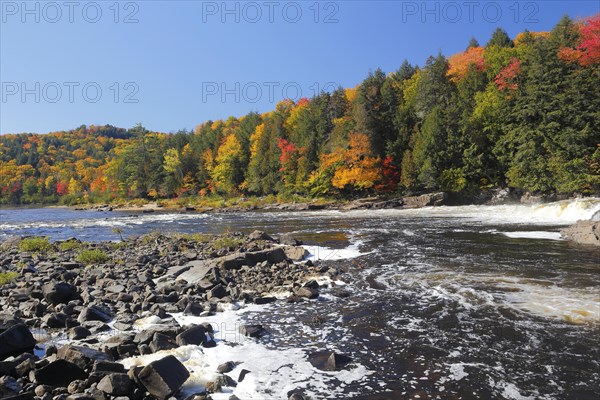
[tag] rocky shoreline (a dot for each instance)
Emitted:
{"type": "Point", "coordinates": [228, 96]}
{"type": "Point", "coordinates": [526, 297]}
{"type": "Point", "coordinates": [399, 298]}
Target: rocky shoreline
{"type": "Point", "coordinates": [489, 197]}
{"type": "Point", "coordinates": [94, 295]}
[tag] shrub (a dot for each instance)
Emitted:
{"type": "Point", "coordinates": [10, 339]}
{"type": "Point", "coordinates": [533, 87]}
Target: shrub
{"type": "Point", "coordinates": [6, 277]}
{"type": "Point", "coordinates": [195, 237]}
{"type": "Point", "coordinates": [94, 256]}
{"type": "Point", "coordinates": [69, 245]}
{"type": "Point", "coordinates": [228, 243]}
{"type": "Point", "coordinates": [36, 244]}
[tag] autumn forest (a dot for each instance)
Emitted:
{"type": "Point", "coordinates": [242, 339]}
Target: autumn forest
{"type": "Point", "coordinates": [519, 112]}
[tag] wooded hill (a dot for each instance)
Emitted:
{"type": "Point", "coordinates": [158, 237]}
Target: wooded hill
{"type": "Point", "coordinates": [523, 113]}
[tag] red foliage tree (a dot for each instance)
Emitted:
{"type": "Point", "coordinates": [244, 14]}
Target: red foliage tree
{"type": "Point", "coordinates": [62, 188]}
{"type": "Point", "coordinates": [506, 80]}
{"type": "Point", "coordinates": [587, 52]}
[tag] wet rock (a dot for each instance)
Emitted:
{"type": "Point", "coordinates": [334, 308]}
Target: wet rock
{"type": "Point", "coordinates": [195, 335]}
{"type": "Point", "coordinates": [264, 300]}
{"type": "Point", "coordinates": [115, 384]}
{"type": "Point", "coordinates": [226, 367]}
{"type": "Point", "coordinates": [59, 373]}
{"type": "Point", "coordinates": [336, 361]}
{"type": "Point", "coordinates": [163, 377]}
{"type": "Point", "coordinates": [252, 330]}
{"type": "Point", "coordinates": [59, 292]}
{"type": "Point", "coordinates": [16, 340]}
{"type": "Point", "coordinates": [298, 396]}
{"type": "Point", "coordinates": [81, 356]}
{"type": "Point", "coordinates": [78, 333]}
{"type": "Point", "coordinates": [224, 381]}
{"type": "Point", "coordinates": [243, 374]}
{"type": "Point", "coordinates": [9, 386]}
{"type": "Point", "coordinates": [306, 292]}
{"type": "Point", "coordinates": [596, 216]}
{"type": "Point", "coordinates": [328, 361]}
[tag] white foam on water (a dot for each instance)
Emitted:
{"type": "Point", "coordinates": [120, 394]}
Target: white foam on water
{"type": "Point", "coordinates": [317, 253]}
{"type": "Point", "coordinates": [557, 213]}
{"type": "Point", "coordinates": [533, 235]}
{"type": "Point", "coordinates": [274, 372]}
{"type": "Point", "coordinates": [539, 297]}
{"type": "Point", "coordinates": [574, 305]}
{"type": "Point", "coordinates": [510, 391]}
{"type": "Point", "coordinates": [113, 220]}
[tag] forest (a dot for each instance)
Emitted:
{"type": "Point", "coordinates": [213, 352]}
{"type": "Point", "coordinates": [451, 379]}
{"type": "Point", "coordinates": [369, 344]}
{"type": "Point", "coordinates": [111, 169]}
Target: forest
{"type": "Point", "coordinates": [521, 113]}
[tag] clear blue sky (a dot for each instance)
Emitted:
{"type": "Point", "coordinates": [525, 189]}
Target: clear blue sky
{"type": "Point", "coordinates": [176, 57]}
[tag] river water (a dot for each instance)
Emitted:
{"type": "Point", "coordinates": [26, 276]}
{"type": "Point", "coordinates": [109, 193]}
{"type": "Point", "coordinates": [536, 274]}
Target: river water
{"type": "Point", "coordinates": [448, 302]}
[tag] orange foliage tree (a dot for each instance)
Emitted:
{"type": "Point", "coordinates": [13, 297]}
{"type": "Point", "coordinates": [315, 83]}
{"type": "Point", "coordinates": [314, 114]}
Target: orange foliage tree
{"type": "Point", "coordinates": [459, 63]}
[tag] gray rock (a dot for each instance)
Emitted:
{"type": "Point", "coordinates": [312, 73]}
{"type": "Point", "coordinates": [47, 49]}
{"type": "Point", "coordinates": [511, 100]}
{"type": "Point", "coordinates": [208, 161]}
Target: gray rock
{"type": "Point", "coordinates": [163, 377]}
{"type": "Point", "coordinates": [226, 367]}
{"type": "Point", "coordinates": [116, 384]}
{"type": "Point", "coordinates": [78, 333]}
{"type": "Point", "coordinates": [289, 240]}
{"type": "Point", "coordinates": [306, 292]}
{"type": "Point", "coordinates": [583, 232]}
{"type": "Point", "coordinates": [431, 199]}
{"type": "Point", "coordinates": [295, 253]}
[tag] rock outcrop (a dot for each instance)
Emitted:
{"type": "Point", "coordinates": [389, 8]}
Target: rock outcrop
{"type": "Point", "coordinates": [583, 232]}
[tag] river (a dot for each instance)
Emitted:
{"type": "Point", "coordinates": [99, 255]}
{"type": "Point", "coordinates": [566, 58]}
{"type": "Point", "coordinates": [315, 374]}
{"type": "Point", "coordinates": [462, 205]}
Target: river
{"type": "Point", "coordinates": [447, 302]}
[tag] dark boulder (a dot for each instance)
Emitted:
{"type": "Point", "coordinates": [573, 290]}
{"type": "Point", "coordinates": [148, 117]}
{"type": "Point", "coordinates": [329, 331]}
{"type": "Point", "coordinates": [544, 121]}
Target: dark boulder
{"type": "Point", "coordinates": [161, 342]}
{"type": "Point", "coordinates": [163, 377]}
{"type": "Point", "coordinates": [16, 340]}
{"type": "Point", "coordinates": [82, 356]}
{"type": "Point", "coordinates": [226, 367]}
{"type": "Point", "coordinates": [195, 335]}
{"type": "Point", "coordinates": [59, 373]}
{"type": "Point", "coordinates": [254, 330]}
{"type": "Point", "coordinates": [59, 292]}
{"type": "Point", "coordinates": [94, 313]}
